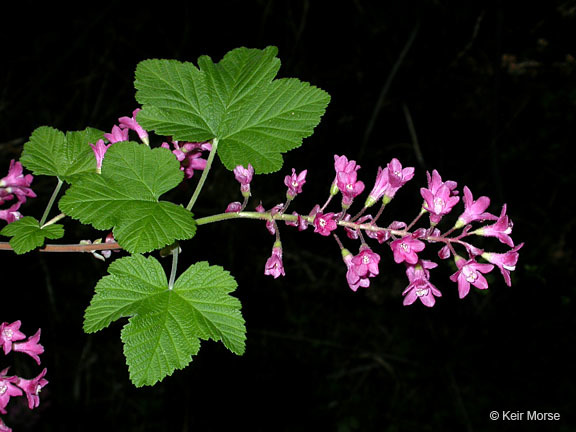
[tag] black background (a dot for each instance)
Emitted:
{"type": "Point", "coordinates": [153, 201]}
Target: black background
{"type": "Point", "coordinates": [490, 89]}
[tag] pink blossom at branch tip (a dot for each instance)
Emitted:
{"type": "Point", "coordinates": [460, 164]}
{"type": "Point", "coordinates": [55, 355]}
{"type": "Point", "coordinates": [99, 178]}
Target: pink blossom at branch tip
{"type": "Point", "coordinates": [406, 249]}
{"type": "Point", "coordinates": [420, 286]}
{"type": "Point", "coordinates": [11, 214]}
{"type": "Point", "coordinates": [294, 183]}
{"type": "Point", "coordinates": [506, 262]}
{"type": "Point", "coordinates": [30, 347]}
{"type": "Point", "coordinates": [99, 150]}
{"type": "Point", "coordinates": [32, 388]}
{"type": "Point", "coordinates": [474, 210]}
{"type": "Point", "coordinates": [470, 272]}
{"type": "Point", "coordinates": [501, 229]}
{"type": "Point", "coordinates": [435, 181]}
{"type": "Point", "coordinates": [244, 177]}
{"type": "Point", "coordinates": [10, 333]}
{"type": "Point", "coordinates": [7, 389]}
{"type": "Point", "coordinates": [16, 183]}
{"type": "Point", "coordinates": [274, 266]}
{"type": "Point", "coordinates": [117, 135]}
{"type": "Point", "coordinates": [132, 124]}
{"type": "Point", "coordinates": [324, 224]}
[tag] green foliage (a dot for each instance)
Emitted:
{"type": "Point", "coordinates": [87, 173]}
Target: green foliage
{"type": "Point", "coordinates": [166, 325]}
{"type": "Point", "coordinates": [125, 197]}
{"type": "Point", "coordinates": [27, 234]}
{"type": "Point", "coordinates": [255, 117]}
{"type": "Point", "coordinates": [66, 156]}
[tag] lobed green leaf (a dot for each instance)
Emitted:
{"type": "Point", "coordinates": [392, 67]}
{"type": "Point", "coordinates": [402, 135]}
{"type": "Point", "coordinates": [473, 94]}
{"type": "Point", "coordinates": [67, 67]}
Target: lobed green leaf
{"type": "Point", "coordinates": [166, 325]}
{"type": "Point", "coordinates": [125, 198]}
{"type": "Point", "coordinates": [255, 117]}
{"type": "Point", "coordinates": [27, 234]}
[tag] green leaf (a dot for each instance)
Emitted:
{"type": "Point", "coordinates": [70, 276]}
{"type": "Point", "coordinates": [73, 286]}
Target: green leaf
{"type": "Point", "coordinates": [66, 156]}
{"type": "Point", "coordinates": [125, 197]}
{"type": "Point", "coordinates": [166, 325]}
{"type": "Point", "coordinates": [27, 234]}
{"type": "Point", "coordinates": [255, 117]}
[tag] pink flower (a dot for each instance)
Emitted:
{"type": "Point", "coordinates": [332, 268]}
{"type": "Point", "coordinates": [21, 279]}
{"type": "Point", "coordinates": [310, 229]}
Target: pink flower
{"type": "Point", "coordinates": [342, 165]}
{"type": "Point", "coordinates": [379, 188]}
{"type": "Point", "coordinates": [501, 229]}
{"type": "Point", "coordinates": [10, 333]}
{"type": "Point", "coordinates": [420, 286]}
{"type": "Point", "coordinates": [352, 277]}
{"type": "Point", "coordinates": [99, 150]}
{"type": "Point", "coordinates": [349, 186]}
{"type": "Point", "coordinates": [435, 181]}
{"type": "Point", "coordinates": [11, 214]}
{"type": "Point", "coordinates": [233, 207]}
{"type": "Point", "coordinates": [244, 177]}
{"type": "Point", "coordinates": [300, 222]}
{"type": "Point", "coordinates": [473, 210]}
{"type": "Point", "coordinates": [189, 155]}
{"type": "Point", "coordinates": [117, 135]}
{"type": "Point", "coordinates": [30, 347]}
{"type": "Point", "coordinates": [439, 203]}
{"type": "Point", "coordinates": [324, 224]}
{"type": "Point", "coordinates": [7, 389]}
{"type": "Point", "coordinates": [16, 183]}
{"type": "Point", "coordinates": [131, 123]}
{"type": "Point", "coordinates": [470, 272]}
{"type": "Point", "coordinates": [506, 262]}
{"type": "Point", "coordinates": [32, 388]}
{"type": "Point", "coordinates": [294, 183]}
{"type": "Point", "coordinates": [406, 249]}
{"type": "Point", "coordinates": [366, 262]}
{"type": "Point", "coordinates": [274, 266]}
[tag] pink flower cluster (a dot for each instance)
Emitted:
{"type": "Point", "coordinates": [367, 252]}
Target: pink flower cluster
{"type": "Point", "coordinates": [407, 244]}
{"type": "Point", "coordinates": [12, 339]}
{"type": "Point", "coordinates": [15, 186]}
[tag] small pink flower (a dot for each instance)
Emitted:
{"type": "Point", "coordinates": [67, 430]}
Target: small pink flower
{"type": "Point", "coordinates": [506, 262]}
{"type": "Point", "coordinates": [32, 388]}
{"type": "Point", "coordinates": [244, 177]}
{"type": "Point", "coordinates": [11, 214]}
{"type": "Point", "coordinates": [366, 262]}
{"type": "Point", "coordinates": [473, 210]}
{"type": "Point", "coordinates": [352, 277]}
{"type": "Point", "coordinates": [406, 249]}
{"type": "Point", "coordinates": [10, 333]}
{"type": "Point", "coordinates": [439, 203]}
{"type": "Point", "coordinates": [233, 207]}
{"type": "Point", "coordinates": [7, 389]}
{"type": "Point", "coordinates": [131, 123]}
{"type": "Point", "coordinates": [294, 183]}
{"type": "Point", "coordinates": [470, 272]}
{"type": "Point", "coordinates": [274, 266]}
{"type": "Point", "coordinates": [349, 186]}
{"type": "Point", "coordinates": [30, 347]}
{"type": "Point", "coordinates": [189, 155]}
{"type": "Point", "coordinates": [501, 229]}
{"type": "Point", "coordinates": [379, 188]}
{"type": "Point", "coordinates": [342, 165]}
{"type": "Point", "coordinates": [324, 224]}
{"type": "Point", "coordinates": [99, 149]}
{"type": "Point", "coordinates": [117, 135]}
{"type": "Point", "coordinates": [16, 183]}
{"type": "Point", "coordinates": [420, 286]}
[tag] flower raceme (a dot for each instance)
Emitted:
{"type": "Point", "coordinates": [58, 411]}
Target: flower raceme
{"type": "Point", "coordinates": [407, 243]}
{"type": "Point", "coordinates": [12, 339]}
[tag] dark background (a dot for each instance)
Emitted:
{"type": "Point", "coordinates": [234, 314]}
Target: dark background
{"type": "Point", "coordinates": [490, 92]}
